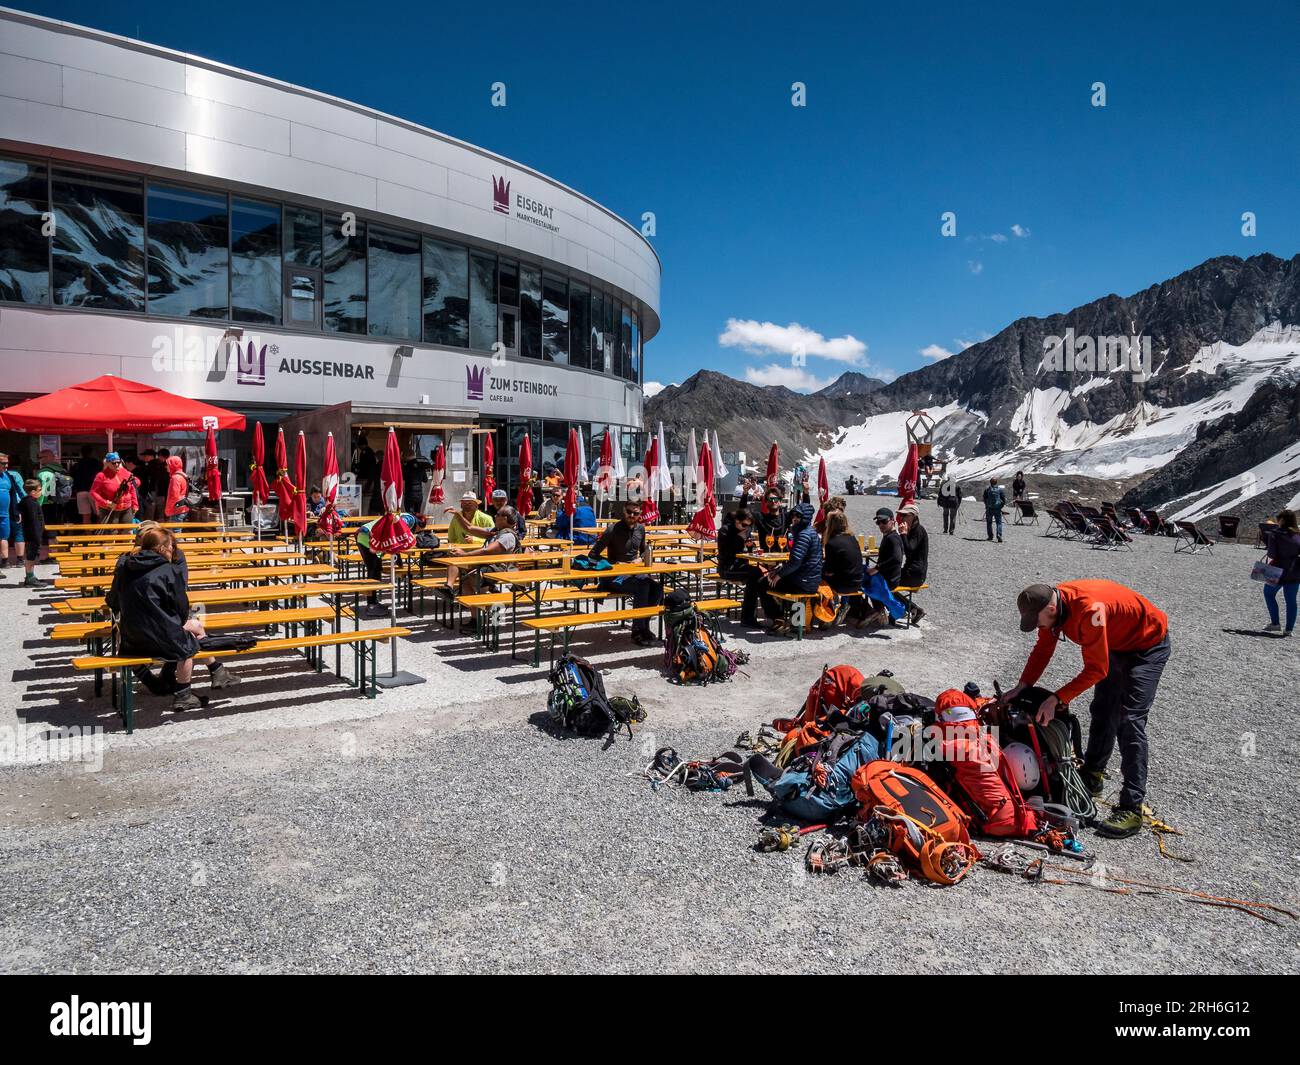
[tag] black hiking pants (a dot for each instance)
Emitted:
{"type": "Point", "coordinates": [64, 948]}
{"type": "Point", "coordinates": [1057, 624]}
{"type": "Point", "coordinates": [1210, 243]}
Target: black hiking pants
{"type": "Point", "coordinates": [1120, 705]}
{"type": "Point", "coordinates": [950, 519]}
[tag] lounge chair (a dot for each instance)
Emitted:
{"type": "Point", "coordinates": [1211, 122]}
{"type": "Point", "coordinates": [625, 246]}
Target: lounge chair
{"type": "Point", "coordinates": [1057, 525]}
{"type": "Point", "coordinates": [1111, 537]}
{"type": "Point", "coordinates": [1026, 515]}
{"type": "Point", "coordinates": [1191, 539]}
{"type": "Point", "coordinates": [1156, 525]}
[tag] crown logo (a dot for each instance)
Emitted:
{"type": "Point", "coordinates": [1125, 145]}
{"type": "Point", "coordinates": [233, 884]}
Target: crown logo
{"type": "Point", "coordinates": [474, 382]}
{"type": "Point", "coordinates": [500, 195]}
{"type": "Point", "coordinates": [252, 365]}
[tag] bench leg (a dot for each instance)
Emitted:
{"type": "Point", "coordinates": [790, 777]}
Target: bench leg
{"type": "Point", "coordinates": [128, 707]}
{"type": "Point", "coordinates": [374, 669]}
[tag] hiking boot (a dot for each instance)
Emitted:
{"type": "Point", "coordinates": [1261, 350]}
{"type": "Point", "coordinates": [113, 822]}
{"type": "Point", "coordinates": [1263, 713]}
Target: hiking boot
{"type": "Point", "coordinates": [185, 699]}
{"type": "Point", "coordinates": [376, 610]}
{"type": "Point", "coordinates": [1120, 824]}
{"type": "Point", "coordinates": [153, 684]}
{"type": "Point", "coordinates": [642, 639]}
{"type": "Point", "coordinates": [31, 581]}
{"type": "Point", "coordinates": [917, 615]}
{"type": "Point", "coordinates": [1273, 626]}
{"type": "Point", "coordinates": [221, 677]}
{"type": "Point", "coordinates": [1096, 782]}
{"type": "Point", "coordinates": [999, 539]}
{"type": "Point", "coordinates": [842, 612]}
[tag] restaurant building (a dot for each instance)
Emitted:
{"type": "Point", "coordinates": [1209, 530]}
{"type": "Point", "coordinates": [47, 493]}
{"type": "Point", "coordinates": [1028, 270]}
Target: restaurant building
{"type": "Point", "coordinates": [306, 261]}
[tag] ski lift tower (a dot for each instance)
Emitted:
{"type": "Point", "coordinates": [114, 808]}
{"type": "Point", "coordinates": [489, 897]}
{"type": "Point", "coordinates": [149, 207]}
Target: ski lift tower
{"type": "Point", "coordinates": [920, 431]}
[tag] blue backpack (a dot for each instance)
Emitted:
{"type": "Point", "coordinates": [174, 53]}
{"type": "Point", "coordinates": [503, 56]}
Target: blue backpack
{"type": "Point", "coordinates": [840, 755]}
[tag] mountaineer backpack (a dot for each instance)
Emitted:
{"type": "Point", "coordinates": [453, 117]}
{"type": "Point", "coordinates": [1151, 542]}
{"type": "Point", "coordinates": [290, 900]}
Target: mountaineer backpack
{"type": "Point", "coordinates": [578, 703]}
{"type": "Point", "coordinates": [693, 653]}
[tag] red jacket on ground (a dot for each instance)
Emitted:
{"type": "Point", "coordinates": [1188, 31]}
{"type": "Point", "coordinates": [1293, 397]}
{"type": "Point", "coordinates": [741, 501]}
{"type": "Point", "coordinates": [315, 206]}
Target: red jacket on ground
{"type": "Point", "coordinates": [1101, 617]}
{"type": "Point", "coordinates": [103, 491]}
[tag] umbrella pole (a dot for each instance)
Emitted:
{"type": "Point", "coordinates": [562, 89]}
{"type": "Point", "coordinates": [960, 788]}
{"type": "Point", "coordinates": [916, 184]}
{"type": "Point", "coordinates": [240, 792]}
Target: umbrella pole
{"type": "Point", "coordinates": [392, 609]}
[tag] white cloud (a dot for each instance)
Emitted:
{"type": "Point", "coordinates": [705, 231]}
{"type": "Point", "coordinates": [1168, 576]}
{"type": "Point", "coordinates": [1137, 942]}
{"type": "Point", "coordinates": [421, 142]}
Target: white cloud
{"type": "Point", "coordinates": [768, 338]}
{"type": "Point", "coordinates": [975, 266]}
{"type": "Point", "coordinates": [653, 388]}
{"type": "Point", "coordinates": [998, 238]}
{"type": "Point", "coordinates": [1018, 230]}
{"type": "Point", "coordinates": [794, 378]}
{"type": "Point", "coordinates": [934, 352]}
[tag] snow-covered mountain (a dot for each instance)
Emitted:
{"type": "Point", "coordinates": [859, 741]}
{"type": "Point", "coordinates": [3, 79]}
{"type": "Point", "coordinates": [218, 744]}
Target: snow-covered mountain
{"type": "Point", "coordinates": [1218, 335]}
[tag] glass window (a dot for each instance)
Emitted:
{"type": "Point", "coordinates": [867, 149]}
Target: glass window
{"type": "Point", "coordinates": [24, 249]}
{"type": "Point", "coordinates": [344, 261]}
{"type": "Point", "coordinates": [625, 345]}
{"type": "Point", "coordinates": [394, 284]}
{"type": "Point", "coordinates": [189, 255]}
{"type": "Point", "coordinates": [608, 335]}
{"type": "Point", "coordinates": [508, 283]}
{"type": "Point", "coordinates": [580, 325]}
{"type": "Point", "coordinates": [99, 241]}
{"type": "Point", "coordinates": [636, 347]}
{"type": "Point", "coordinates": [482, 302]}
{"type": "Point", "coordinates": [555, 442]}
{"type": "Point", "coordinates": [446, 294]}
{"type": "Point", "coordinates": [255, 261]}
{"type": "Point", "coordinates": [302, 236]}
{"type": "Point", "coordinates": [595, 344]}
{"type": "Point", "coordinates": [555, 318]}
{"type": "Point", "coordinates": [530, 312]}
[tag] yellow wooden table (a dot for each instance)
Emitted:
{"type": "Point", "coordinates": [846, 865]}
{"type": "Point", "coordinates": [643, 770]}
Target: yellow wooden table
{"type": "Point", "coordinates": [215, 575]}
{"type": "Point", "coordinates": [86, 566]}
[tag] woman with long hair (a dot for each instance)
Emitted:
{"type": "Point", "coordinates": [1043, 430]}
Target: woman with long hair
{"type": "Point", "coordinates": [1283, 552]}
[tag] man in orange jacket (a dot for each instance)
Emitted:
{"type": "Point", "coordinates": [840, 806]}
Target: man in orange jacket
{"type": "Point", "coordinates": [1125, 642]}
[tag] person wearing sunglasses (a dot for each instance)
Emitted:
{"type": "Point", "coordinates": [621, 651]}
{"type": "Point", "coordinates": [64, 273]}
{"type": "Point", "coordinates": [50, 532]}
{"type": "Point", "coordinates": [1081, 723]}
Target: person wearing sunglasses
{"type": "Point", "coordinates": [889, 558]}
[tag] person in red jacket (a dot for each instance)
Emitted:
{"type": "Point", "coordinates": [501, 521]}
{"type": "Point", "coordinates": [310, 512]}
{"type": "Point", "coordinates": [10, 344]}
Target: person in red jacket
{"type": "Point", "coordinates": [178, 486]}
{"type": "Point", "coordinates": [1125, 642]}
{"type": "Point", "coordinates": [113, 492]}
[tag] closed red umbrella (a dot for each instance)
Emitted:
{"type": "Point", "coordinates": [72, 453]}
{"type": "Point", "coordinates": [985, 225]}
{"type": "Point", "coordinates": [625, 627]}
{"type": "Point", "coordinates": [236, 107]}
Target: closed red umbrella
{"type": "Point", "coordinates": [650, 510]}
{"type": "Point", "coordinates": [212, 468]}
{"type": "Point", "coordinates": [390, 535]}
{"type": "Point", "coordinates": [283, 486]}
{"type": "Point", "coordinates": [300, 486]}
{"type": "Point", "coordinates": [489, 463]}
{"type": "Point", "coordinates": [823, 489]}
{"type": "Point", "coordinates": [436, 494]}
{"type": "Point", "coordinates": [329, 521]}
{"type": "Point", "coordinates": [704, 524]}
{"type": "Point", "coordinates": [257, 471]}
{"type": "Point", "coordinates": [524, 501]}
{"type": "Point", "coordinates": [773, 466]}
{"type": "Point", "coordinates": [907, 476]}
{"type": "Point", "coordinates": [572, 472]}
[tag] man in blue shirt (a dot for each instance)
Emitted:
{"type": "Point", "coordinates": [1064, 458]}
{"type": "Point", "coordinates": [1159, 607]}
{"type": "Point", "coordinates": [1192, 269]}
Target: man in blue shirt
{"type": "Point", "coordinates": [583, 518]}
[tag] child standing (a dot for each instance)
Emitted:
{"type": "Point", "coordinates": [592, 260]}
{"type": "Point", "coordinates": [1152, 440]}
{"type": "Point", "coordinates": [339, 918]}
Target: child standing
{"type": "Point", "coordinates": [33, 525]}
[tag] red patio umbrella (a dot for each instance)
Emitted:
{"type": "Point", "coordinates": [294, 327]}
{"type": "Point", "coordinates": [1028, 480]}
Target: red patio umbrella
{"type": "Point", "coordinates": [773, 467]}
{"type": "Point", "coordinates": [257, 471]}
{"type": "Point", "coordinates": [907, 476]}
{"type": "Point", "coordinates": [650, 509]}
{"type": "Point", "coordinates": [283, 486]}
{"type": "Point", "coordinates": [572, 472]}
{"type": "Point", "coordinates": [390, 535]}
{"type": "Point", "coordinates": [300, 486]}
{"type": "Point", "coordinates": [211, 467]}
{"type": "Point", "coordinates": [704, 525]}
{"type": "Point", "coordinates": [436, 494]}
{"type": "Point", "coordinates": [524, 501]}
{"type": "Point", "coordinates": [489, 465]}
{"type": "Point", "coordinates": [823, 489]}
{"type": "Point", "coordinates": [114, 404]}
{"type": "Point", "coordinates": [329, 521]}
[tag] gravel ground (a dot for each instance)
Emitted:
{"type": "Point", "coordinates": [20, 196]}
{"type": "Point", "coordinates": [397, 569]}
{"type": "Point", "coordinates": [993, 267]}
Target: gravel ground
{"type": "Point", "coordinates": [441, 828]}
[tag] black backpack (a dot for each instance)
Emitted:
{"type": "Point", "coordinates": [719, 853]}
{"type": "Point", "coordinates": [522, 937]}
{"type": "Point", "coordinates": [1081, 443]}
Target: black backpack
{"type": "Point", "coordinates": [578, 703]}
{"type": "Point", "coordinates": [1058, 747]}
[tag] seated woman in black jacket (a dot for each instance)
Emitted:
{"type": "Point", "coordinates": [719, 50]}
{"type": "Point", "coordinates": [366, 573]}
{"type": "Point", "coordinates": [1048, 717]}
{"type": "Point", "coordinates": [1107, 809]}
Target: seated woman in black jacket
{"type": "Point", "coordinates": [842, 564]}
{"type": "Point", "coordinates": [150, 599]}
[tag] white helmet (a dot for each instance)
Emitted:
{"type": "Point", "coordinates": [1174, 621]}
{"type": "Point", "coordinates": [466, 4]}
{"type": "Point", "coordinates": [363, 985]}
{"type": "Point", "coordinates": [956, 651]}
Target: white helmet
{"type": "Point", "coordinates": [1024, 766]}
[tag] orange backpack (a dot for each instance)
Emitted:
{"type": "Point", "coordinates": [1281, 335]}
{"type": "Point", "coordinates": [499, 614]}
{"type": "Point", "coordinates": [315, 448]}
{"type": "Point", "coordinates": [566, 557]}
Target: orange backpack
{"type": "Point", "coordinates": [918, 823]}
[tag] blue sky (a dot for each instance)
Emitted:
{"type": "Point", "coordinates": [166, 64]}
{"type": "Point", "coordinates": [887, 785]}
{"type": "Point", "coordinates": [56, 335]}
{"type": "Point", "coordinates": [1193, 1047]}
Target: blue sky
{"type": "Point", "coordinates": [827, 217]}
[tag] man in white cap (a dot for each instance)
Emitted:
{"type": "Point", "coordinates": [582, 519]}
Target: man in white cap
{"type": "Point", "coordinates": [469, 522]}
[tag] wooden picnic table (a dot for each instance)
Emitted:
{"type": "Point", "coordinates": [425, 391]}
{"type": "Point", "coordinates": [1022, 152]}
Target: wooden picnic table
{"type": "Point", "coordinates": [91, 526]}
{"type": "Point", "coordinates": [200, 548]}
{"type": "Point", "coordinates": [128, 538]}
{"type": "Point", "coordinates": [266, 593]}
{"type": "Point", "coordinates": [520, 582]}
{"type": "Point", "coordinates": [81, 567]}
{"type": "Point", "coordinates": [198, 575]}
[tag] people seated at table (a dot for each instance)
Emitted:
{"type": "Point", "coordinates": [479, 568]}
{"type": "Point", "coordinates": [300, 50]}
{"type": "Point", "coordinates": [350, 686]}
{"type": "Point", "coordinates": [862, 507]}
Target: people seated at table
{"type": "Point", "coordinates": [832, 504]}
{"type": "Point", "coordinates": [801, 572]}
{"type": "Point", "coordinates": [890, 557]}
{"type": "Point", "coordinates": [735, 535]}
{"type": "Point", "coordinates": [504, 540]}
{"type": "Point", "coordinates": [113, 492]}
{"type": "Point", "coordinates": [625, 542]}
{"type": "Point", "coordinates": [916, 552]}
{"type": "Point", "coordinates": [771, 521]}
{"type": "Point", "coordinates": [150, 597]}
{"type": "Point", "coordinates": [551, 505]}
{"type": "Point", "coordinates": [315, 502]}
{"type": "Point", "coordinates": [842, 563]}
{"type": "Point", "coordinates": [372, 561]}
{"type": "Point", "coordinates": [469, 523]}
{"type": "Point", "coordinates": [583, 518]}
{"type": "Point", "coordinates": [500, 500]}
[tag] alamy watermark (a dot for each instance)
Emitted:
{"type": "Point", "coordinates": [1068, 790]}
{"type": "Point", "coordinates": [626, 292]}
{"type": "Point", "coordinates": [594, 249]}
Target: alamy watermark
{"type": "Point", "coordinates": [1100, 354]}
{"type": "Point", "coordinates": [39, 744]}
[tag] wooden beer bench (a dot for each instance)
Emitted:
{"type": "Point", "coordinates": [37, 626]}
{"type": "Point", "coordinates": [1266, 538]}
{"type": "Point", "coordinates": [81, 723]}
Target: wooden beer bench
{"type": "Point", "coordinates": [566, 623]}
